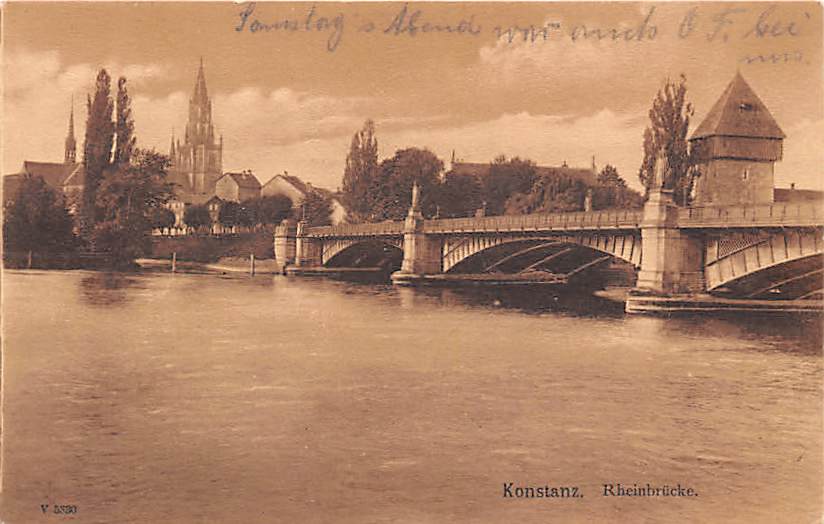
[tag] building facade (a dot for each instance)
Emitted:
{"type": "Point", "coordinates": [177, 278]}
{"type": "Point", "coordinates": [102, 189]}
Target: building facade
{"type": "Point", "coordinates": [237, 187]}
{"type": "Point", "coordinates": [296, 190]}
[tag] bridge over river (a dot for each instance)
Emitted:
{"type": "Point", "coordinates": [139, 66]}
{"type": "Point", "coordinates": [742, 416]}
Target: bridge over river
{"type": "Point", "coordinates": [764, 256]}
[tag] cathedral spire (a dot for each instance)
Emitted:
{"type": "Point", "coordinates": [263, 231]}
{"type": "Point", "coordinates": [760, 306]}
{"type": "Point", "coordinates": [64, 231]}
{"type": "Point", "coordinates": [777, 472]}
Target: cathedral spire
{"type": "Point", "coordinates": [71, 144]}
{"type": "Point", "coordinates": [201, 95]}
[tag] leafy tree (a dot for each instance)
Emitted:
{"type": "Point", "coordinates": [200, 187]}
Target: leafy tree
{"type": "Point", "coordinates": [228, 213]}
{"type": "Point", "coordinates": [667, 131]}
{"type": "Point", "coordinates": [273, 209]}
{"type": "Point", "coordinates": [161, 217]}
{"type": "Point", "coordinates": [461, 195]}
{"type": "Point", "coordinates": [247, 214]}
{"type": "Point", "coordinates": [316, 209]}
{"type": "Point", "coordinates": [124, 125]}
{"type": "Point", "coordinates": [130, 199]}
{"type": "Point", "coordinates": [549, 194]}
{"type": "Point", "coordinates": [97, 150]}
{"type": "Point", "coordinates": [609, 177]}
{"type": "Point", "coordinates": [392, 189]}
{"type": "Point", "coordinates": [505, 178]}
{"type": "Point", "coordinates": [36, 221]}
{"type": "Point", "coordinates": [197, 216]}
{"type": "Point", "coordinates": [360, 172]}
{"type": "Point", "coordinates": [612, 191]}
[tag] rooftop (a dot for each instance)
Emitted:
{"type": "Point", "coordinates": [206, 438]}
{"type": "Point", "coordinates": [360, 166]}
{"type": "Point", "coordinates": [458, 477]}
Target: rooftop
{"type": "Point", "coordinates": [739, 112]}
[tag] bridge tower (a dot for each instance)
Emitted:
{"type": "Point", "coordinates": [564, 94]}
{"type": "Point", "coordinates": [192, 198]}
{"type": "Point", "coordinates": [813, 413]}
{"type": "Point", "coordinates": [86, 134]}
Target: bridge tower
{"type": "Point", "coordinates": [737, 145]}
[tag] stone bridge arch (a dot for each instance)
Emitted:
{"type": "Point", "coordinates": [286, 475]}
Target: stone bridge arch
{"type": "Point", "coordinates": [781, 263]}
{"type": "Point", "coordinates": [338, 247]}
{"type": "Point", "coordinates": [458, 250]}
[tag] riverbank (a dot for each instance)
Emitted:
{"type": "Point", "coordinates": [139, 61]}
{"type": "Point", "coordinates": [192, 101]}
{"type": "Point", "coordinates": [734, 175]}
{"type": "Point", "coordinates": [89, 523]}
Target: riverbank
{"type": "Point", "coordinates": [223, 265]}
{"type": "Point", "coordinates": [210, 249]}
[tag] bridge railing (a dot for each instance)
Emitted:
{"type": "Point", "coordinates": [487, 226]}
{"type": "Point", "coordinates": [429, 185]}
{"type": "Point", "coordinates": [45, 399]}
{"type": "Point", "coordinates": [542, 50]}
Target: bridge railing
{"type": "Point", "coordinates": [612, 219]}
{"type": "Point", "coordinates": [776, 214]}
{"type": "Point", "coordinates": [607, 219]}
{"type": "Point", "coordinates": [357, 230]}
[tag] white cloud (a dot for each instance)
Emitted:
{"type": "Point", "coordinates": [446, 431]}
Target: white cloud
{"type": "Point", "coordinates": [803, 162]}
{"type": "Point", "coordinates": [37, 99]}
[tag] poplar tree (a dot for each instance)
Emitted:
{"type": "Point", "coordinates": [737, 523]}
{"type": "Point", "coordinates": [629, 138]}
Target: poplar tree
{"type": "Point", "coordinates": [124, 126]}
{"type": "Point", "coordinates": [360, 173]}
{"type": "Point", "coordinates": [97, 150]}
{"type": "Point", "coordinates": [667, 131]}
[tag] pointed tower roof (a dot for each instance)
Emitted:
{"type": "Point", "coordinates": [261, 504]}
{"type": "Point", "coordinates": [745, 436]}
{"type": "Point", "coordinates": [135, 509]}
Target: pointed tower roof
{"type": "Point", "coordinates": [200, 84]}
{"type": "Point", "coordinates": [71, 144]}
{"type": "Point", "coordinates": [739, 112]}
{"type": "Point", "coordinates": [71, 120]}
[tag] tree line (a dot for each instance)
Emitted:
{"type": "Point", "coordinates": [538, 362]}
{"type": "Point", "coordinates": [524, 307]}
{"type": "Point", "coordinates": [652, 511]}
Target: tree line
{"type": "Point", "coordinates": [376, 190]}
{"type": "Point", "coordinates": [251, 213]}
{"type": "Point", "coordinates": [315, 209]}
{"type": "Point", "coordinates": [381, 190]}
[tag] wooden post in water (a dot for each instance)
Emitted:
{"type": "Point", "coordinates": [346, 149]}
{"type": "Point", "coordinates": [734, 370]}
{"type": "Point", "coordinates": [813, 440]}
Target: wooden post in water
{"type": "Point", "coordinates": [174, 261]}
{"type": "Point", "coordinates": [252, 264]}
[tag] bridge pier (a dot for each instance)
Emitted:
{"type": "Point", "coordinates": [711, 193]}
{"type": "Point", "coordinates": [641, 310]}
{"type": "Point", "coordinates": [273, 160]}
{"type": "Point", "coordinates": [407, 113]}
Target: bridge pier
{"type": "Point", "coordinates": [308, 250]}
{"type": "Point", "coordinates": [285, 243]}
{"type": "Point", "coordinates": [421, 252]}
{"type": "Point", "coordinates": [672, 258]}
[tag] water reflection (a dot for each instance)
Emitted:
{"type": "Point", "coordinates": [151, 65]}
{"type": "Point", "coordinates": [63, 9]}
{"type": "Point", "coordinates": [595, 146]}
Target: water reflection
{"type": "Point", "coordinates": [789, 333]}
{"type": "Point", "coordinates": [107, 289]}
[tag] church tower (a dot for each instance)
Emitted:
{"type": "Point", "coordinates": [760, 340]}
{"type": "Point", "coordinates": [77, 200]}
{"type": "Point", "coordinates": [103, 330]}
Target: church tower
{"type": "Point", "coordinates": [70, 154]}
{"type": "Point", "coordinates": [199, 159]}
{"type": "Point", "coordinates": [737, 146]}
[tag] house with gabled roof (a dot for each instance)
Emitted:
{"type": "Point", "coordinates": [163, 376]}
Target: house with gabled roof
{"type": "Point", "coordinates": [296, 190]}
{"type": "Point", "coordinates": [237, 187]}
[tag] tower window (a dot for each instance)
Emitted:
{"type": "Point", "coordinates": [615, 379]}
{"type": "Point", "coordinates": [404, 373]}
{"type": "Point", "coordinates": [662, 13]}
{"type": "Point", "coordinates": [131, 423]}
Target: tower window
{"type": "Point", "coordinates": [746, 174]}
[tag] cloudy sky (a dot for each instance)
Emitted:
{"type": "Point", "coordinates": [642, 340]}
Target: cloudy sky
{"type": "Point", "coordinates": [290, 100]}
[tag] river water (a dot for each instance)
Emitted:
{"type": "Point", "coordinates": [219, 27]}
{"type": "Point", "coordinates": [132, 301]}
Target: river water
{"type": "Point", "coordinates": [202, 398]}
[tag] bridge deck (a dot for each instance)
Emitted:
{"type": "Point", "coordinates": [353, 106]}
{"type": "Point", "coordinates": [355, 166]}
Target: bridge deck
{"type": "Point", "coordinates": [804, 214]}
{"type": "Point", "coordinates": [779, 214]}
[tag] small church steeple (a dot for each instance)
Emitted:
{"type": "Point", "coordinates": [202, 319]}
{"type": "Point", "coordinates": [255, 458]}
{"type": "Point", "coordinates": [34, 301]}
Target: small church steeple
{"type": "Point", "coordinates": [70, 155]}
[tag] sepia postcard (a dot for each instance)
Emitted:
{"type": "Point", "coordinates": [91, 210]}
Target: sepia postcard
{"type": "Point", "coordinates": [412, 262]}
